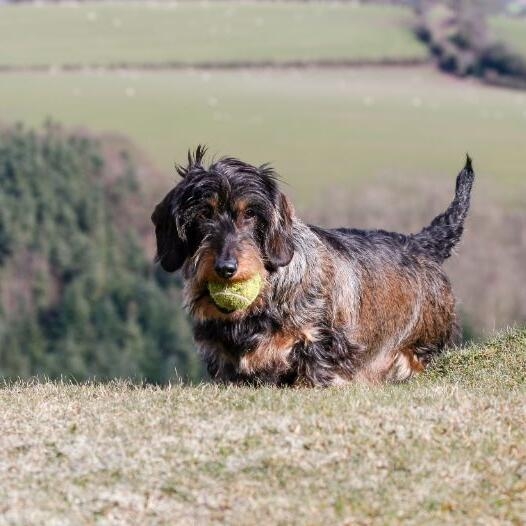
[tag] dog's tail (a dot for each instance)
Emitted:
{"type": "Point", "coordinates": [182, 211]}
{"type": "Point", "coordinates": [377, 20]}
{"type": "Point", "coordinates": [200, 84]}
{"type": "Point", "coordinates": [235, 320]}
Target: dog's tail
{"type": "Point", "coordinates": [438, 239]}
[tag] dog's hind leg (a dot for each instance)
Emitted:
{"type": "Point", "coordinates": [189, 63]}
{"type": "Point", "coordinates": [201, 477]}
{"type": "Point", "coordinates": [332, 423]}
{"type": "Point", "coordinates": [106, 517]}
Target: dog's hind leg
{"type": "Point", "coordinates": [406, 364]}
{"type": "Point", "coordinates": [395, 366]}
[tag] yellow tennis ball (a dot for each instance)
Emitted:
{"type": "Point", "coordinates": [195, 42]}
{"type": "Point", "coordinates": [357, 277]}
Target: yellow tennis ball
{"type": "Point", "coordinates": [237, 295]}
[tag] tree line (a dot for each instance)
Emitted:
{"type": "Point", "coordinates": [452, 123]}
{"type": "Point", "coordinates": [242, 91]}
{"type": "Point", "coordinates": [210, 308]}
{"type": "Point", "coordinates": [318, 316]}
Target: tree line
{"type": "Point", "coordinates": [79, 297]}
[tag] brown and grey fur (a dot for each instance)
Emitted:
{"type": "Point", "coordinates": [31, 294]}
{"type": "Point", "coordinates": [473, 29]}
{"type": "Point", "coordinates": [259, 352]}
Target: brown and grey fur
{"type": "Point", "coordinates": [337, 305]}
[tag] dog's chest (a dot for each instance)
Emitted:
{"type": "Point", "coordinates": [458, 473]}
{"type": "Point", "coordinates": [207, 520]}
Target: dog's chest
{"type": "Point", "coordinates": [275, 358]}
{"type": "Point", "coordinates": [272, 354]}
{"type": "Point", "coordinates": [257, 350]}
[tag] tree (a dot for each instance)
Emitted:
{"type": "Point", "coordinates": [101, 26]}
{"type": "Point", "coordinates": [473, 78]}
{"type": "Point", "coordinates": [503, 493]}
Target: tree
{"type": "Point", "coordinates": [80, 297]}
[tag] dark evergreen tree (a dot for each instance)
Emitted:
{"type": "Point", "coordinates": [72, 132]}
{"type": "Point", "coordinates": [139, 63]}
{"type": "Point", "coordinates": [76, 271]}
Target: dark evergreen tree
{"type": "Point", "coordinates": [79, 297]}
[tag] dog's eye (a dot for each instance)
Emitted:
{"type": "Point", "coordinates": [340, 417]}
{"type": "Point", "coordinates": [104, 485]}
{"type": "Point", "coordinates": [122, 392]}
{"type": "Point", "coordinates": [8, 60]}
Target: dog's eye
{"type": "Point", "coordinates": [249, 213]}
{"type": "Point", "coordinates": [206, 212]}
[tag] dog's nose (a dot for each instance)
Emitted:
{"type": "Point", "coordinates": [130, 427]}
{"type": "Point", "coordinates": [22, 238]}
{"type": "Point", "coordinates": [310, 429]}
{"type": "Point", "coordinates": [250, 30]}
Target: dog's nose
{"type": "Point", "coordinates": [226, 268]}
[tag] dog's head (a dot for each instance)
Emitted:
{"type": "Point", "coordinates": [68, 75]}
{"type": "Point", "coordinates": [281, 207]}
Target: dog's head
{"type": "Point", "coordinates": [226, 222]}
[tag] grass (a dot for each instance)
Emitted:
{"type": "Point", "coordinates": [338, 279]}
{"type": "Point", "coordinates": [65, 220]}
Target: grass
{"type": "Point", "coordinates": [447, 448]}
{"type": "Point", "coordinates": [512, 31]}
{"type": "Point", "coordinates": [317, 127]}
{"type": "Point", "coordinates": [197, 32]}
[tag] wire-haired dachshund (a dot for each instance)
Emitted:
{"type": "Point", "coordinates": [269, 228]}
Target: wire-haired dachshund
{"type": "Point", "coordinates": [336, 305]}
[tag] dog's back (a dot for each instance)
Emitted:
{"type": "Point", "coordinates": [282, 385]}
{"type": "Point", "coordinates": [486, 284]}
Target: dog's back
{"type": "Point", "coordinates": [406, 310]}
{"type": "Point", "coordinates": [436, 241]}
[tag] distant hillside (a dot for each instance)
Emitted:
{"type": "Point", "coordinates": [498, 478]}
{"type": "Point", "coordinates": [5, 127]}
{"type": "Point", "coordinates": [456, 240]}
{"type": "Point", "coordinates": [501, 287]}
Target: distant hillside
{"type": "Point", "coordinates": [79, 297]}
{"type": "Point", "coordinates": [212, 34]}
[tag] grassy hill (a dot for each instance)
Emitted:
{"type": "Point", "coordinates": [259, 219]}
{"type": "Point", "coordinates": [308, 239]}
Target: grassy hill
{"type": "Point", "coordinates": [340, 127]}
{"type": "Point", "coordinates": [446, 448]}
{"type": "Point", "coordinates": [203, 32]}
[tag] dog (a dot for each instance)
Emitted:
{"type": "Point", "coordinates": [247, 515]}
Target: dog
{"type": "Point", "coordinates": [336, 306]}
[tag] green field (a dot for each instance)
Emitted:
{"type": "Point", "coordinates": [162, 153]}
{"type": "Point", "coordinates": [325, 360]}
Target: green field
{"type": "Point", "coordinates": [512, 31]}
{"type": "Point", "coordinates": [197, 32]}
{"type": "Point", "coordinates": [317, 127]}
{"type": "Point", "coordinates": [447, 448]}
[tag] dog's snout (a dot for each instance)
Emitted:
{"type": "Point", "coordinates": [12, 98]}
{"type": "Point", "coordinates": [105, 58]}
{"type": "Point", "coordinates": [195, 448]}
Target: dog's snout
{"type": "Point", "coordinates": [226, 268]}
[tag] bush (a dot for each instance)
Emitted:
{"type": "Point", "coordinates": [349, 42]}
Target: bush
{"type": "Point", "coordinates": [498, 58]}
{"type": "Point", "coordinates": [459, 38]}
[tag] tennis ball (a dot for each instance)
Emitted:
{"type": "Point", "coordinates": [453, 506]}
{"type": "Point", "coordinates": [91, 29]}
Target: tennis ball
{"type": "Point", "coordinates": [237, 295]}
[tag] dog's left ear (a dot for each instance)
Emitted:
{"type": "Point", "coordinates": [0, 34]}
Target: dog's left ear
{"type": "Point", "coordinates": [171, 250]}
{"type": "Point", "coordinates": [279, 242]}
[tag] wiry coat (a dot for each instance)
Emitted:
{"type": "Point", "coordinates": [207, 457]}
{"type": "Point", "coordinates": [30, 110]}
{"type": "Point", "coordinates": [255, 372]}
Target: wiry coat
{"type": "Point", "coordinates": [337, 305]}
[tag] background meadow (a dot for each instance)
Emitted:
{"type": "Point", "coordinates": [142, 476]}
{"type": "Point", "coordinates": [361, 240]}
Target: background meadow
{"type": "Point", "coordinates": [366, 110]}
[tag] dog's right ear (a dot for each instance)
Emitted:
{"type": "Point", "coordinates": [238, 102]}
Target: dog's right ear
{"type": "Point", "coordinates": [171, 250]}
{"type": "Point", "coordinates": [279, 243]}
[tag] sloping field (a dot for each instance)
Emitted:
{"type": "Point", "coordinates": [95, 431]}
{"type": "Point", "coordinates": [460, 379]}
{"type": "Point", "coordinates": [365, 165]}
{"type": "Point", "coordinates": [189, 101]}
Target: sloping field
{"type": "Point", "coordinates": [203, 32]}
{"type": "Point", "coordinates": [447, 448]}
{"type": "Point", "coordinates": [318, 127]}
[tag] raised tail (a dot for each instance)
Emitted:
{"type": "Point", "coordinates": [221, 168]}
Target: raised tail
{"type": "Point", "coordinates": [438, 239]}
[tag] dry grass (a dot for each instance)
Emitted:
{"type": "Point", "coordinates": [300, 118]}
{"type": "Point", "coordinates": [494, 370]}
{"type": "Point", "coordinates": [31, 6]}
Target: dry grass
{"type": "Point", "coordinates": [446, 448]}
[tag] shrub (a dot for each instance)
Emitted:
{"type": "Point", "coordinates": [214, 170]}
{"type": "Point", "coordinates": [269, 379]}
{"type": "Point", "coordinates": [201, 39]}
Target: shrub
{"type": "Point", "coordinates": [458, 36]}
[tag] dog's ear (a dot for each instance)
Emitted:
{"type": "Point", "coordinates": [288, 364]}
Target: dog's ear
{"type": "Point", "coordinates": [279, 242]}
{"type": "Point", "coordinates": [171, 250]}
